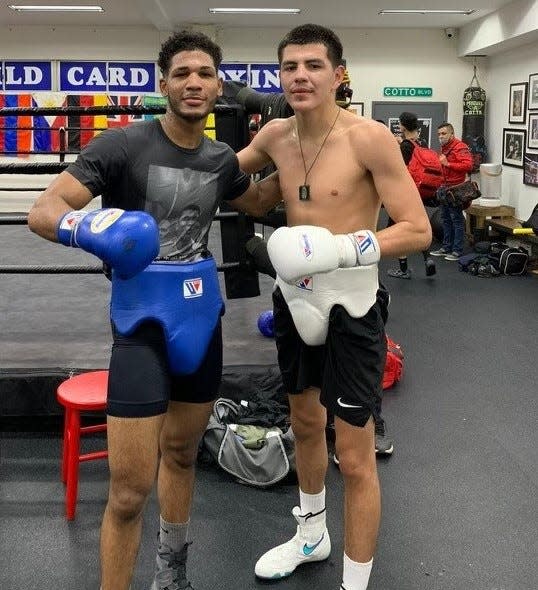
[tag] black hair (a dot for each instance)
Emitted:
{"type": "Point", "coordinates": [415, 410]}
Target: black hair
{"type": "Point", "coordinates": [409, 121]}
{"type": "Point", "coordinates": [448, 125]}
{"type": "Point", "coordinates": [305, 34]}
{"type": "Point", "coordinates": [187, 41]}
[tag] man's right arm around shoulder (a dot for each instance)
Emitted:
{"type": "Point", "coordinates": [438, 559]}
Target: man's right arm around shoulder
{"type": "Point", "coordinates": [264, 195]}
{"type": "Point", "coordinates": [126, 240]}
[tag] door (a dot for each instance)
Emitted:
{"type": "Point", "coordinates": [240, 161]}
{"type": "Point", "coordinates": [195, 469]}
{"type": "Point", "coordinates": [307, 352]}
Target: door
{"type": "Point", "coordinates": [430, 116]}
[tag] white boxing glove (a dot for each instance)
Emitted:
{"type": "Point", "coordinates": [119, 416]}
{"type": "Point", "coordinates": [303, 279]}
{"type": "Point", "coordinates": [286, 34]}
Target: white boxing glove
{"type": "Point", "coordinates": [304, 250]}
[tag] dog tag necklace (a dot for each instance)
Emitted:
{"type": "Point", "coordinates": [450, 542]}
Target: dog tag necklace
{"type": "Point", "coordinates": [304, 189]}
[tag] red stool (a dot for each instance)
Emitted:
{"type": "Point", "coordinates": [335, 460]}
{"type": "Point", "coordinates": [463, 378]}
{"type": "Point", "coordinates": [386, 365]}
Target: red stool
{"type": "Point", "coordinates": [85, 392]}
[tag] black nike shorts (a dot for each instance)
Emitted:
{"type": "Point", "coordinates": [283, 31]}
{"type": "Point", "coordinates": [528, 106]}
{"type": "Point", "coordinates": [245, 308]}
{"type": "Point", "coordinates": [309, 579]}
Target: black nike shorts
{"type": "Point", "coordinates": [348, 368]}
{"type": "Point", "coordinates": [140, 383]}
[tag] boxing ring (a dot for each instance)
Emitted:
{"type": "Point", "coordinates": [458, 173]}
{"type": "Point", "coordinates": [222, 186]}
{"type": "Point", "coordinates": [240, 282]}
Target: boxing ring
{"type": "Point", "coordinates": [54, 300]}
{"type": "Point", "coordinates": [458, 504]}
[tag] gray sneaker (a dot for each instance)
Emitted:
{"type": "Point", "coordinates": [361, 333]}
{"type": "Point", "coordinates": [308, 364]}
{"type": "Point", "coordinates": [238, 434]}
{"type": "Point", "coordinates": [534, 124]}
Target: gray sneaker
{"type": "Point", "coordinates": [398, 273]}
{"type": "Point", "coordinates": [171, 569]}
{"type": "Point", "coordinates": [453, 256]}
{"type": "Point", "coordinates": [440, 252]}
{"type": "Point", "coordinates": [383, 443]}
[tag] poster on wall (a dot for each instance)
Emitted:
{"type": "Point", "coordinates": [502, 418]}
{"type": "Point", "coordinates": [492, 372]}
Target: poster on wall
{"type": "Point", "coordinates": [357, 108]}
{"type": "Point", "coordinates": [532, 132]}
{"type": "Point", "coordinates": [513, 147]}
{"type": "Point", "coordinates": [424, 128]}
{"type": "Point", "coordinates": [530, 169]}
{"type": "Point", "coordinates": [517, 103]}
{"type": "Point", "coordinates": [533, 92]}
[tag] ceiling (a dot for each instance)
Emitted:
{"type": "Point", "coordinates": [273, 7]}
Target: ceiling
{"type": "Point", "coordinates": [168, 15]}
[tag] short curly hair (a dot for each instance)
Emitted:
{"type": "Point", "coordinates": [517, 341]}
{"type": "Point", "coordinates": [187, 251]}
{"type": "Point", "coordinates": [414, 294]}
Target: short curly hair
{"type": "Point", "coordinates": [187, 41]}
{"type": "Point", "coordinates": [305, 34]}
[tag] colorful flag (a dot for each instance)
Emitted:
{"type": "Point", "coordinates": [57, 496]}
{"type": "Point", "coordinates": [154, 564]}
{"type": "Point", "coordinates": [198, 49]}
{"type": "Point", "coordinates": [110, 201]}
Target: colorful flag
{"type": "Point", "coordinates": [122, 119]}
{"type": "Point", "coordinates": [81, 129]}
{"type": "Point", "coordinates": [46, 133]}
{"type": "Point", "coordinates": [13, 139]}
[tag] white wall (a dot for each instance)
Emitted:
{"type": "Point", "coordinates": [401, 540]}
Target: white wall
{"type": "Point", "coordinates": [376, 58]}
{"type": "Point", "coordinates": [508, 68]}
{"type": "Point", "coordinates": [84, 43]}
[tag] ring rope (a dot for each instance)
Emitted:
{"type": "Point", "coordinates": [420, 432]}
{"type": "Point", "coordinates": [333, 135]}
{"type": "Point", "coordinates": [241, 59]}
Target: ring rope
{"type": "Point", "coordinates": [95, 110]}
{"type": "Point", "coordinates": [79, 269]}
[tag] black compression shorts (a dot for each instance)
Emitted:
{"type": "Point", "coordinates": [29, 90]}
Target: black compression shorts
{"type": "Point", "coordinates": [348, 367]}
{"type": "Point", "coordinates": [140, 383]}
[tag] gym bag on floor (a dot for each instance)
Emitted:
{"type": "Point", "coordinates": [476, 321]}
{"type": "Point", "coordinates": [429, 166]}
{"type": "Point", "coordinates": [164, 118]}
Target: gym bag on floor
{"type": "Point", "coordinates": [255, 455]}
{"type": "Point", "coordinates": [513, 261]}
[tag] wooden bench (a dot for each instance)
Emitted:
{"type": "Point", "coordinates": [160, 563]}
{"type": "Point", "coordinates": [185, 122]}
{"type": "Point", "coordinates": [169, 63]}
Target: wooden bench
{"type": "Point", "coordinates": [476, 217]}
{"type": "Point", "coordinates": [506, 226]}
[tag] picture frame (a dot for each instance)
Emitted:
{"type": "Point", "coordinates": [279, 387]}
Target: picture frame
{"type": "Point", "coordinates": [358, 107]}
{"type": "Point", "coordinates": [517, 102]}
{"type": "Point", "coordinates": [513, 147]}
{"type": "Point", "coordinates": [532, 93]}
{"type": "Point", "coordinates": [532, 132]}
{"type": "Point", "coordinates": [530, 169]}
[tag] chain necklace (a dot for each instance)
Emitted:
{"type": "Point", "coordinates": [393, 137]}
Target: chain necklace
{"type": "Point", "coordinates": [304, 189]}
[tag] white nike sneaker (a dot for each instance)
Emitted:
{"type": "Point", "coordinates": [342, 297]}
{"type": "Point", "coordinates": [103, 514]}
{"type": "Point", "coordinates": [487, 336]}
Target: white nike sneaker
{"type": "Point", "coordinates": [310, 543]}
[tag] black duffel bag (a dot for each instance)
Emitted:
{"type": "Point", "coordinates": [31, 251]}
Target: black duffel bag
{"type": "Point", "coordinates": [509, 260]}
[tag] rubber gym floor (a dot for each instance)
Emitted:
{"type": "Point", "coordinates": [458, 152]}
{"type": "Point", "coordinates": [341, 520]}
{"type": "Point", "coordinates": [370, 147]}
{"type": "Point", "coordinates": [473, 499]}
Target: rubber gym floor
{"type": "Point", "coordinates": [459, 492]}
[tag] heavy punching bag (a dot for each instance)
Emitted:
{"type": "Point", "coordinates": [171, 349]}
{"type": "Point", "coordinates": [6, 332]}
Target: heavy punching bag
{"type": "Point", "coordinates": [474, 109]}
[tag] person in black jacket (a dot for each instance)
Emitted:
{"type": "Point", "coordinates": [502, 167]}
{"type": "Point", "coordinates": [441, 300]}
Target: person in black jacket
{"type": "Point", "coordinates": [408, 138]}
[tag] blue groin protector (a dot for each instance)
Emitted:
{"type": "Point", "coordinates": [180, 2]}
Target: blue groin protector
{"type": "Point", "coordinates": [184, 298]}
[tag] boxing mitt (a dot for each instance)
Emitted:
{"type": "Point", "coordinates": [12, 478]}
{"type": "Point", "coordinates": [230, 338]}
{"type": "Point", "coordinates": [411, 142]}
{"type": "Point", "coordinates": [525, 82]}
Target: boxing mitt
{"type": "Point", "coordinates": [126, 240]}
{"type": "Point", "coordinates": [304, 250]}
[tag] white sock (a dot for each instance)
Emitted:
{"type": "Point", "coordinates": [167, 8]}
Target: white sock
{"type": "Point", "coordinates": [173, 534]}
{"type": "Point", "coordinates": [356, 575]}
{"type": "Point", "coordinates": [313, 503]}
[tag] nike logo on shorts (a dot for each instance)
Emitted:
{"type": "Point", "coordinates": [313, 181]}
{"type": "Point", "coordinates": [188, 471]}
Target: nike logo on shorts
{"type": "Point", "coordinates": [343, 404]}
{"type": "Point", "coordinates": [309, 549]}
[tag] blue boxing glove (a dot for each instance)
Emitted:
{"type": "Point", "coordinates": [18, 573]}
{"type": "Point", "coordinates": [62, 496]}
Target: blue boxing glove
{"type": "Point", "coordinates": [126, 240]}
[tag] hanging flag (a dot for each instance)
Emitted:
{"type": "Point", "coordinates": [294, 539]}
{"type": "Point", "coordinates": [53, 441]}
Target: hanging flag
{"type": "Point", "coordinates": [46, 133]}
{"type": "Point", "coordinates": [15, 134]}
{"type": "Point", "coordinates": [81, 129]}
{"type": "Point", "coordinates": [121, 119]}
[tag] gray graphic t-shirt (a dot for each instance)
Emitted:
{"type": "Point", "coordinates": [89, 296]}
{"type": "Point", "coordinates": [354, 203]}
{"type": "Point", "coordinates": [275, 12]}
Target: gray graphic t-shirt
{"type": "Point", "coordinates": [139, 168]}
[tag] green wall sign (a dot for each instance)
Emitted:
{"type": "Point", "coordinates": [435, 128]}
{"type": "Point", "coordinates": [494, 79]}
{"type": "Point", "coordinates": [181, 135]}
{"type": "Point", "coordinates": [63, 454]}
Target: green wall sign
{"type": "Point", "coordinates": [407, 91]}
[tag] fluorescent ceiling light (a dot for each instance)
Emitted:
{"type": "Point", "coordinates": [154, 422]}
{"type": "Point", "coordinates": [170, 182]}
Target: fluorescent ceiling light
{"type": "Point", "coordinates": [466, 12]}
{"type": "Point", "coordinates": [255, 10]}
{"type": "Point", "coordinates": [55, 8]}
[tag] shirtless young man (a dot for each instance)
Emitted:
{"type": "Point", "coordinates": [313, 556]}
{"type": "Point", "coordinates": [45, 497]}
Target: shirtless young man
{"type": "Point", "coordinates": [336, 169]}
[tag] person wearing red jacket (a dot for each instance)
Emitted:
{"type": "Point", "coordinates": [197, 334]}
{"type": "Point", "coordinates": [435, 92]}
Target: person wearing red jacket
{"type": "Point", "coordinates": [457, 162]}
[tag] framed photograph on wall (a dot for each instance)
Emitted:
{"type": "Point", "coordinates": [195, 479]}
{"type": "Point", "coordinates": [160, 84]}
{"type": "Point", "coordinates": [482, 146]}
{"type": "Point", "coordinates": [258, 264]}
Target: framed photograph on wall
{"type": "Point", "coordinates": [513, 147]}
{"type": "Point", "coordinates": [532, 132]}
{"type": "Point", "coordinates": [517, 103]}
{"type": "Point", "coordinates": [530, 169]}
{"type": "Point", "coordinates": [533, 92]}
{"type": "Point", "coordinates": [357, 108]}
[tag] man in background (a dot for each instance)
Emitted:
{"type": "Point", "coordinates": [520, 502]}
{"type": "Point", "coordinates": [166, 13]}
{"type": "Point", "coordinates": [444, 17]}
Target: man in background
{"type": "Point", "coordinates": [457, 162]}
